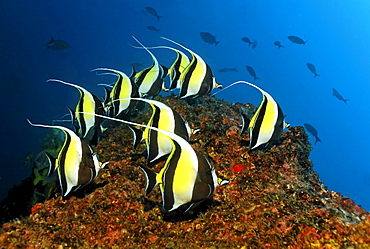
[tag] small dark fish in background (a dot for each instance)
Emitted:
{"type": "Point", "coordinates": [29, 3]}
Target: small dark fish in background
{"type": "Point", "coordinates": [312, 68]}
{"type": "Point", "coordinates": [252, 72]}
{"type": "Point", "coordinates": [153, 12]}
{"type": "Point", "coordinates": [152, 28]}
{"type": "Point", "coordinates": [208, 38]}
{"type": "Point", "coordinates": [247, 40]}
{"type": "Point", "coordinates": [313, 132]}
{"type": "Point", "coordinates": [57, 44]}
{"type": "Point", "coordinates": [338, 96]}
{"type": "Point", "coordinates": [227, 69]}
{"type": "Point", "coordinates": [278, 44]}
{"type": "Point", "coordinates": [296, 39]}
{"type": "Point", "coordinates": [254, 44]}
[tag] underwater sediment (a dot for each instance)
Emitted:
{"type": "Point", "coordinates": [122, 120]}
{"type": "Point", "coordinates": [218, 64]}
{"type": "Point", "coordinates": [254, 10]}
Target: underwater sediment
{"type": "Point", "coordinates": [274, 200]}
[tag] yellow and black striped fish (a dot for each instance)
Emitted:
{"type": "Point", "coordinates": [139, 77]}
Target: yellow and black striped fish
{"type": "Point", "coordinates": [268, 122]}
{"type": "Point", "coordinates": [77, 164]}
{"type": "Point", "coordinates": [164, 118]}
{"type": "Point", "coordinates": [197, 79]}
{"type": "Point", "coordinates": [150, 80]}
{"type": "Point", "coordinates": [177, 67]}
{"type": "Point", "coordinates": [187, 178]}
{"type": "Point", "coordinates": [89, 125]}
{"type": "Point", "coordinates": [122, 91]}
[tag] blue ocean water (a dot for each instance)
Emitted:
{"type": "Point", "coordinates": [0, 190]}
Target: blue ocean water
{"type": "Point", "coordinates": [99, 34]}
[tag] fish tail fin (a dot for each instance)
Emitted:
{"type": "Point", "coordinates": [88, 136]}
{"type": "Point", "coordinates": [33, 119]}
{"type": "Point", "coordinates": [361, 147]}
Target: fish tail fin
{"type": "Point", "coordinates": [255, 78]}
{"type": "Point", "coordinates": [151, 179]}
{"type": "Point", "coordinates": [316, 74]}
{"type": "Point", "coordinates": [217, 43]}
{"type": "Point", "coordinates": [318, 140]}
{"type": "Point", "coordinates": [159, 17]}
{"type": "Point", "coordinates": [345, 100]}
{"type": "Point", "coordinates": [51, 40]}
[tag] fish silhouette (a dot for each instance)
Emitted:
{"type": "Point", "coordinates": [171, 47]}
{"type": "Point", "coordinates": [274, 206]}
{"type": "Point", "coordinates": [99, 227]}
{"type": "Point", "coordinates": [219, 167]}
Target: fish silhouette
{"type": "Point", "coordinates": [57, 44]}
{"type": "Point", "coordinates": [278, 44]}
{"type": "Point", "coordinates": [296, 39]}
{"type": "Point", "coordinates": [209, 38]}
{"type": "Point", "coordinates": [313, 132]}
{"type": "Point", "coordinates": [254, 44]}
{"type": "Point", "coordinates": [312, 68]}
{"type": "Point", "coordinates": [153, 12]}
{"type": "Point", "coordinates": [252, 72]}
{"type": "Point", "coordinates": [152, 28]}
{"type": "Point", "coordinates": [338, 96]}
{"type": "Point", "coordinates": [247, 40]}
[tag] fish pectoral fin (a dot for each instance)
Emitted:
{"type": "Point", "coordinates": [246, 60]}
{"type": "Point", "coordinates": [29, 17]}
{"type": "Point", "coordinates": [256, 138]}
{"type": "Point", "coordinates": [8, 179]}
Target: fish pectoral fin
{"type": "Point", "coordinates": [151, 179]}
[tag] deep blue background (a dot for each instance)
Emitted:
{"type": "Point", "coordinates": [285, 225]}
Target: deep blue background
{"type": "Point", "coordinates": [99, 32]}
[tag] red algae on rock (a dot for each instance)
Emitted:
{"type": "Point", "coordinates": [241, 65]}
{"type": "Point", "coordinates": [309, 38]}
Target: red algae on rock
{"type": "Point", "coordinates": [274, 200]}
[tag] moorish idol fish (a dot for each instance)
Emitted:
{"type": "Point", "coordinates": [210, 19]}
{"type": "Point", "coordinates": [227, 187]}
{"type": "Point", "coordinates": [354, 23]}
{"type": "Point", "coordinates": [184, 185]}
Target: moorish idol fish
{"type": "Point", "coordinates": [177, 67]}
{"type": "Point", "coordinates": [312, 68]}
{"type": "Point", "coordinates": [150, 80]}
{"type": "Point", "coordinates": [164, 118]}
{"type": "Point", "coordinates": [122, 91]}
{"type": "Point", "coordinates": [197, 79]}
{"type": "Point", "coordinates": [77, 164]}
{"type": "Point", "coordinates": [89, 125]}
{"type": "Point", "coordinates": [187, 177]}
{"type": "Point", "coordinates": [268, 122]}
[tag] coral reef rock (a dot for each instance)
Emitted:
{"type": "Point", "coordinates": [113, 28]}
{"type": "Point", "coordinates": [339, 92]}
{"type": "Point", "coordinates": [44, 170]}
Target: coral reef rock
{"type": "Point", "coordinates": [274, 200]}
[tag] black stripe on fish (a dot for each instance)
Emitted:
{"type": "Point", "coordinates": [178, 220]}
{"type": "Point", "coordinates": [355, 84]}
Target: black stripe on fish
{"type": "Point", "coordinates": [168, 178]}
{"type": "Point", "coordinates": [255, 130]}
{"type": "Point", "coordinates": [61, 161]}
{"type": "Point", "coordinates": [188, 74]}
